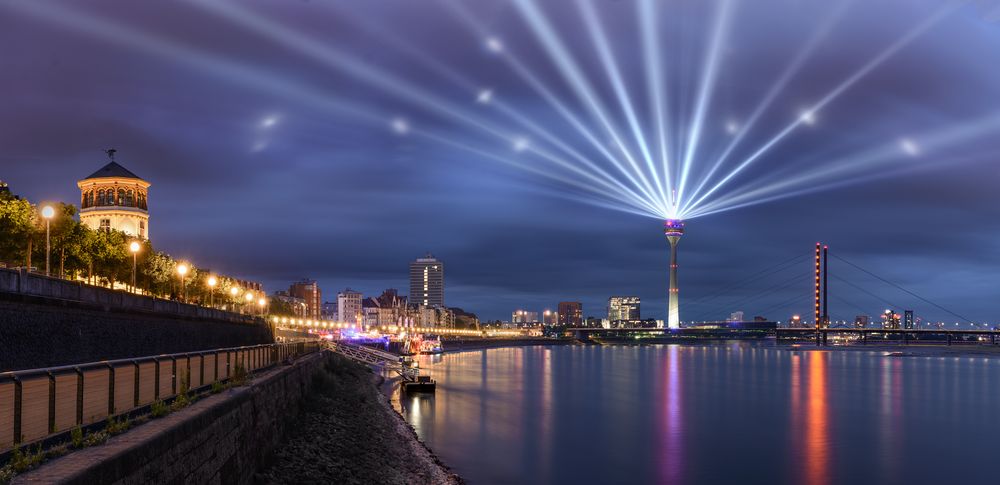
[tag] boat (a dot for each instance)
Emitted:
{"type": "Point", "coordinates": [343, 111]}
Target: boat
{"type": "Point", "coordinates": [431, 345]}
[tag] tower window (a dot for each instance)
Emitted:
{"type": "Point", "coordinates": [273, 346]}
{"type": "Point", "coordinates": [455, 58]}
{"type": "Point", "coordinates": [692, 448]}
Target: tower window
{"type": "Point", "coordinates": [105, 225]}
{"type": "Point", "coordinates": [129, 199]}
{"type": "Point", "coordinates": [142, 229]}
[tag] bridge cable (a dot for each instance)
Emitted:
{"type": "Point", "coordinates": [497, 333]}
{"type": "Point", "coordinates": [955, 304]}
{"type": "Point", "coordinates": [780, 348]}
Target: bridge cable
{"type": "Point", "coordinates": [741, 283]}
{"type": "Point", "coordinates": [925, 300]}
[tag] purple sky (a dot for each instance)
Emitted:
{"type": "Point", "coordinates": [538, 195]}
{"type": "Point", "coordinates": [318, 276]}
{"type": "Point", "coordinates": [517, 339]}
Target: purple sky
{"type": "Point", "coordinates": [272, 157]}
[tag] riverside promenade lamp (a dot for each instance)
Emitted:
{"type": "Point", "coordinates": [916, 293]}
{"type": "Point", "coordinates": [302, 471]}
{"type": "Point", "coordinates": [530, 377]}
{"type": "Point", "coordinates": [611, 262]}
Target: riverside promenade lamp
{"type": "Point", "coordinates": [262, 302]}
{"type": "Point", "coordinates": [212, 281]}
{"type": "Point", "coordinates": [134, 247]}
{"type": "Point", "coordinates": [182, 270]}
{"type": "Point", "coordinates": [249, 298]}
{"type": "Point", "coordinates": [48, 213]}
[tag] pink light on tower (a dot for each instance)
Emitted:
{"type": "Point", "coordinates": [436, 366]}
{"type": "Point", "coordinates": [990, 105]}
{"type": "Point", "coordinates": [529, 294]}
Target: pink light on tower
{"type": "Point", "coordinates": [673, 229]}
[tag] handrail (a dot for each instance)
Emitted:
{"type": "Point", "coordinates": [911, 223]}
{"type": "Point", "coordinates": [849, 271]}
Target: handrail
{"type": "Point", "coordinates": [38, 404]}
{"type": "Point", "coordinates": [375, 357]}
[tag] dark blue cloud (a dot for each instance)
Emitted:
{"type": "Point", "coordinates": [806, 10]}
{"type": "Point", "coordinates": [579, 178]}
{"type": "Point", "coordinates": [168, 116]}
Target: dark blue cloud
{"type": "Point", "coordinates": [337, 196]}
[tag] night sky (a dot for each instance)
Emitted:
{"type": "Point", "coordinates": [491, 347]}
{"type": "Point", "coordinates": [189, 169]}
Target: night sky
{"type": "Point", "coordinates": [338, 140]}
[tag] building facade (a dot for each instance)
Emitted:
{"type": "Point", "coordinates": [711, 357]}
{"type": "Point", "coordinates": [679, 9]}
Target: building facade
{"type": "Point", "coordinates": [349, 306]}
{"type": "Point", "coordinates": [623, 308]}
{"type": "Point", "coordinates": [550, 318]}
{"type": "Point", "coordinates": [308, 291]}
{"type": "Point", "coordinates": [570, 313]}
{"type": "Point", "coordinates": [115, 198]}
{"type": "Point", "coordinates": [427, 282]}
{"type": "Point", "coordinates": [523, 317]}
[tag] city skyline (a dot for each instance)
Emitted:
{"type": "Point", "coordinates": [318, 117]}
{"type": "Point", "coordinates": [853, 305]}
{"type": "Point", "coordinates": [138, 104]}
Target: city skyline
{"type": "Point", "coordinates": [368, 201]}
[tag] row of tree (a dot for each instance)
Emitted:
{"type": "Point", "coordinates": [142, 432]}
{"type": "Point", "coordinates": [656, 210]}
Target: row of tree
{"type": "Point", "coordinates": [101, 257]}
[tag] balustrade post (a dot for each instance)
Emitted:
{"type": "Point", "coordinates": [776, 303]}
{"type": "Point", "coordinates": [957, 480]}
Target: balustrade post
{"type": "Point", "coordinates": [111, 390]}
{"type": "Point", "coordinates": [79, 396]}
{"type": "Point", "coordinates": [135, 385]}
{"type": "Point", "coordinates": [52, 402]}
{"type": "Point", "coordinates": [156, 378]}
{"type": "Point", "coordinates": [17, 410]}
{"type": "Point", "coordinates": [173, 375]}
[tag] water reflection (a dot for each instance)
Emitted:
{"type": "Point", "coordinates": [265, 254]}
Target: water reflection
{"type": "Point", "coordinates": [817, 428]}
{"type": "Point", "coordinates": [744, 413]}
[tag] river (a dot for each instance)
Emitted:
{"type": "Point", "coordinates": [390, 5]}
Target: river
{"type": "Point", "coordinates": [706, 414]}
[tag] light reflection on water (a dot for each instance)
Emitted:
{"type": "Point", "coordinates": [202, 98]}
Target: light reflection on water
{"type": "Point", "coordinates": [726, 413]}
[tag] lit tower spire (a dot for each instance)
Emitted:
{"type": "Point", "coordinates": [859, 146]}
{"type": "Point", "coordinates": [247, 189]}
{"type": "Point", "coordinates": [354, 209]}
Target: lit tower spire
{"type": "Point", "coordinates": [673, 229]}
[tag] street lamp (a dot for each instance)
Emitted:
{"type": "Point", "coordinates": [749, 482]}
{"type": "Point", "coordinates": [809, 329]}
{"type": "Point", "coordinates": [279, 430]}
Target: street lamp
{"type": "Point", "coordinates": [134, 247]}
{"type": "Point", "coordinates": [261, 303]}
{"type": "Point", "coordinates": [249, 298]}
{"type": "Point", "coordinates": [233, 294]}
{"type": "Point", "coordinates": [48, 213]}
{"type": "Point", "coordinates": [182, 270]}
{"type": "Point", "coordinates": [212, 281]}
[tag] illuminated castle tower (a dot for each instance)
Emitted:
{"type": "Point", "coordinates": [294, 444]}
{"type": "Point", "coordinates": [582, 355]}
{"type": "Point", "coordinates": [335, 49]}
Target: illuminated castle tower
{"type": "Point", "coordinates": [673, 229]}
{"type": "Point", "coordinates": [114, 198]}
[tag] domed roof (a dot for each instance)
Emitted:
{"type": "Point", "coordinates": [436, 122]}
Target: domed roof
{"type": "Point", "coordinates": [113, 170]}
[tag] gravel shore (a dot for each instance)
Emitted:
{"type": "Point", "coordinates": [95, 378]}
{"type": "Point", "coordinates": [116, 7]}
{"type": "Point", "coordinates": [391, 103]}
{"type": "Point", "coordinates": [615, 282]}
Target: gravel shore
{"type": "Point", "coordinates": [349, 434]}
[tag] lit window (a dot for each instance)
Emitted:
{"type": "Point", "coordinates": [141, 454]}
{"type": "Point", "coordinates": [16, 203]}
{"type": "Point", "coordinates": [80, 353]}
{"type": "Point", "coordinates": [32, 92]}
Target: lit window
{"type": "Point", "coordinates": [105, 225]}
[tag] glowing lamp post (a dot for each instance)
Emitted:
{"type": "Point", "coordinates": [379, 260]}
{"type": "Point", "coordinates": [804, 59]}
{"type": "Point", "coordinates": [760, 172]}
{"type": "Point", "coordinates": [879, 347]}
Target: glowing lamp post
{"type": "Point", "coordinates": [262, 302]}
{"type": "Point", "coordinates": [134, 247]}
{"type": "Point", "coordinates": [182, 270]}
{"type": "Point", "coordinates": [234, 293]}
{"type": "Point", "coordinates": [212, 281]}
{"type": "Point", "coordinates": [673, 229]}
{"type": "Point", "coordinates": [48, 213]}
{"type": "Point", "coordinates": [249, 298]}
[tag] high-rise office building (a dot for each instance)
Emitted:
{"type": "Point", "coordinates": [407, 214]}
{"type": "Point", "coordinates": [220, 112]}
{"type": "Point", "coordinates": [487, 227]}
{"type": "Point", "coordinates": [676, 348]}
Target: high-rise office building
{"type": "Point", "coordinates": [349, 308]}
{"type": "Point", "coordinates": [908, 319]}
{"type": "Point", "coordinates": [427, 282]}
{"type": "Point", "coordinates": [550, 317]}
{"type": "Point", "coordinates": [523, 317]}
{"type": "Point", "coordinates": [570, 313]}
{"type": "Point", "coordinates": [308, 290]}
{"type": "Point", "coordinates": [623, 308]}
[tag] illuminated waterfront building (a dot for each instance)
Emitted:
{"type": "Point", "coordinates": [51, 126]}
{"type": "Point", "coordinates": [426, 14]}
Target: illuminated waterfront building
{"type": "Point", "coordinates": [623, 308]}
{"type": "Point", "coordinates": [550, 317]}
{"type": "Point", "coordinates": [349, 306]}
{"type": "Point", "coordinates": [570, 313]}
{"type": "Point", "coordinates": [861, 321]}
{"type": "Point", "coordinates": [308, 291]}
{"type": "Point", "coordinates": [115, 198]}
{"type": "Point", "coordinates": [908, 322]}
{"type": "Point", "coordinates": [427, 282]}
{"type": "Point", "coordinates": [523, 317]}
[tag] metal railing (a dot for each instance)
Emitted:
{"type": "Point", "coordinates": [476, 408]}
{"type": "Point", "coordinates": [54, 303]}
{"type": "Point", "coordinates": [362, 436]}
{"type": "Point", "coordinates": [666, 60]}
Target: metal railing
{"type": "Point", "coordinates": [370, 356]}
{"type": "Point", "coordinates": [40, 403]}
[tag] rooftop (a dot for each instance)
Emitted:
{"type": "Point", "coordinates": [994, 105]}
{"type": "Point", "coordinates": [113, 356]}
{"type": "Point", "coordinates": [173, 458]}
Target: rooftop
{"type": "Point", "coordinates": [113, 170]}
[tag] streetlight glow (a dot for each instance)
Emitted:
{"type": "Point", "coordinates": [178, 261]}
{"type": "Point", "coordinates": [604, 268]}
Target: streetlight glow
{"type": "Point", "coordinates": [48, 213]}
{"type": "Point", "coordinates": [134, 247]}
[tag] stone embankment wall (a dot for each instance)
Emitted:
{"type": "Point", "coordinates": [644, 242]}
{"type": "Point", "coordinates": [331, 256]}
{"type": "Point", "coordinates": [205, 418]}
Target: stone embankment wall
{"type": "Point", "coordinates": [238, 436]}
{"type": "Point", "coordinates": [40, 332]}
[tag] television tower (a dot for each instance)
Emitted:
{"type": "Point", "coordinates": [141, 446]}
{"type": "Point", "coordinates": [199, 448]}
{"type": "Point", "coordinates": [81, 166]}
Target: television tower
{"type": "Point", "coordinates": [673, 229]}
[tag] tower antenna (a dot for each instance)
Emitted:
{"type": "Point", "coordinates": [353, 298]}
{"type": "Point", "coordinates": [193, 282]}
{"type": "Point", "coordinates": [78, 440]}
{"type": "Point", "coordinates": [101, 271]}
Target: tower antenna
{"type": "Point", "coordinates": [111, 153]}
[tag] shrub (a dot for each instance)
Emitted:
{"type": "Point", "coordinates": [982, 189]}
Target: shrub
{"type": "Point", "coordinates": [116, 427]}
{"type": "Point", "coordinates": [240, 376]}
{"type": "Point", "coordinates": [158, 409]}
{"type": "Point", "coordinates": [76, 437]}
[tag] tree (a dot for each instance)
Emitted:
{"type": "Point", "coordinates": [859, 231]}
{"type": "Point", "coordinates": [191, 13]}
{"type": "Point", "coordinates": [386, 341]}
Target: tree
{"type": "Point", "coordinates": [110, 252]}
{"type": "Point", "coordinates": [158, 271]}
{"type": "Point", "coordinates": [17, 223]}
